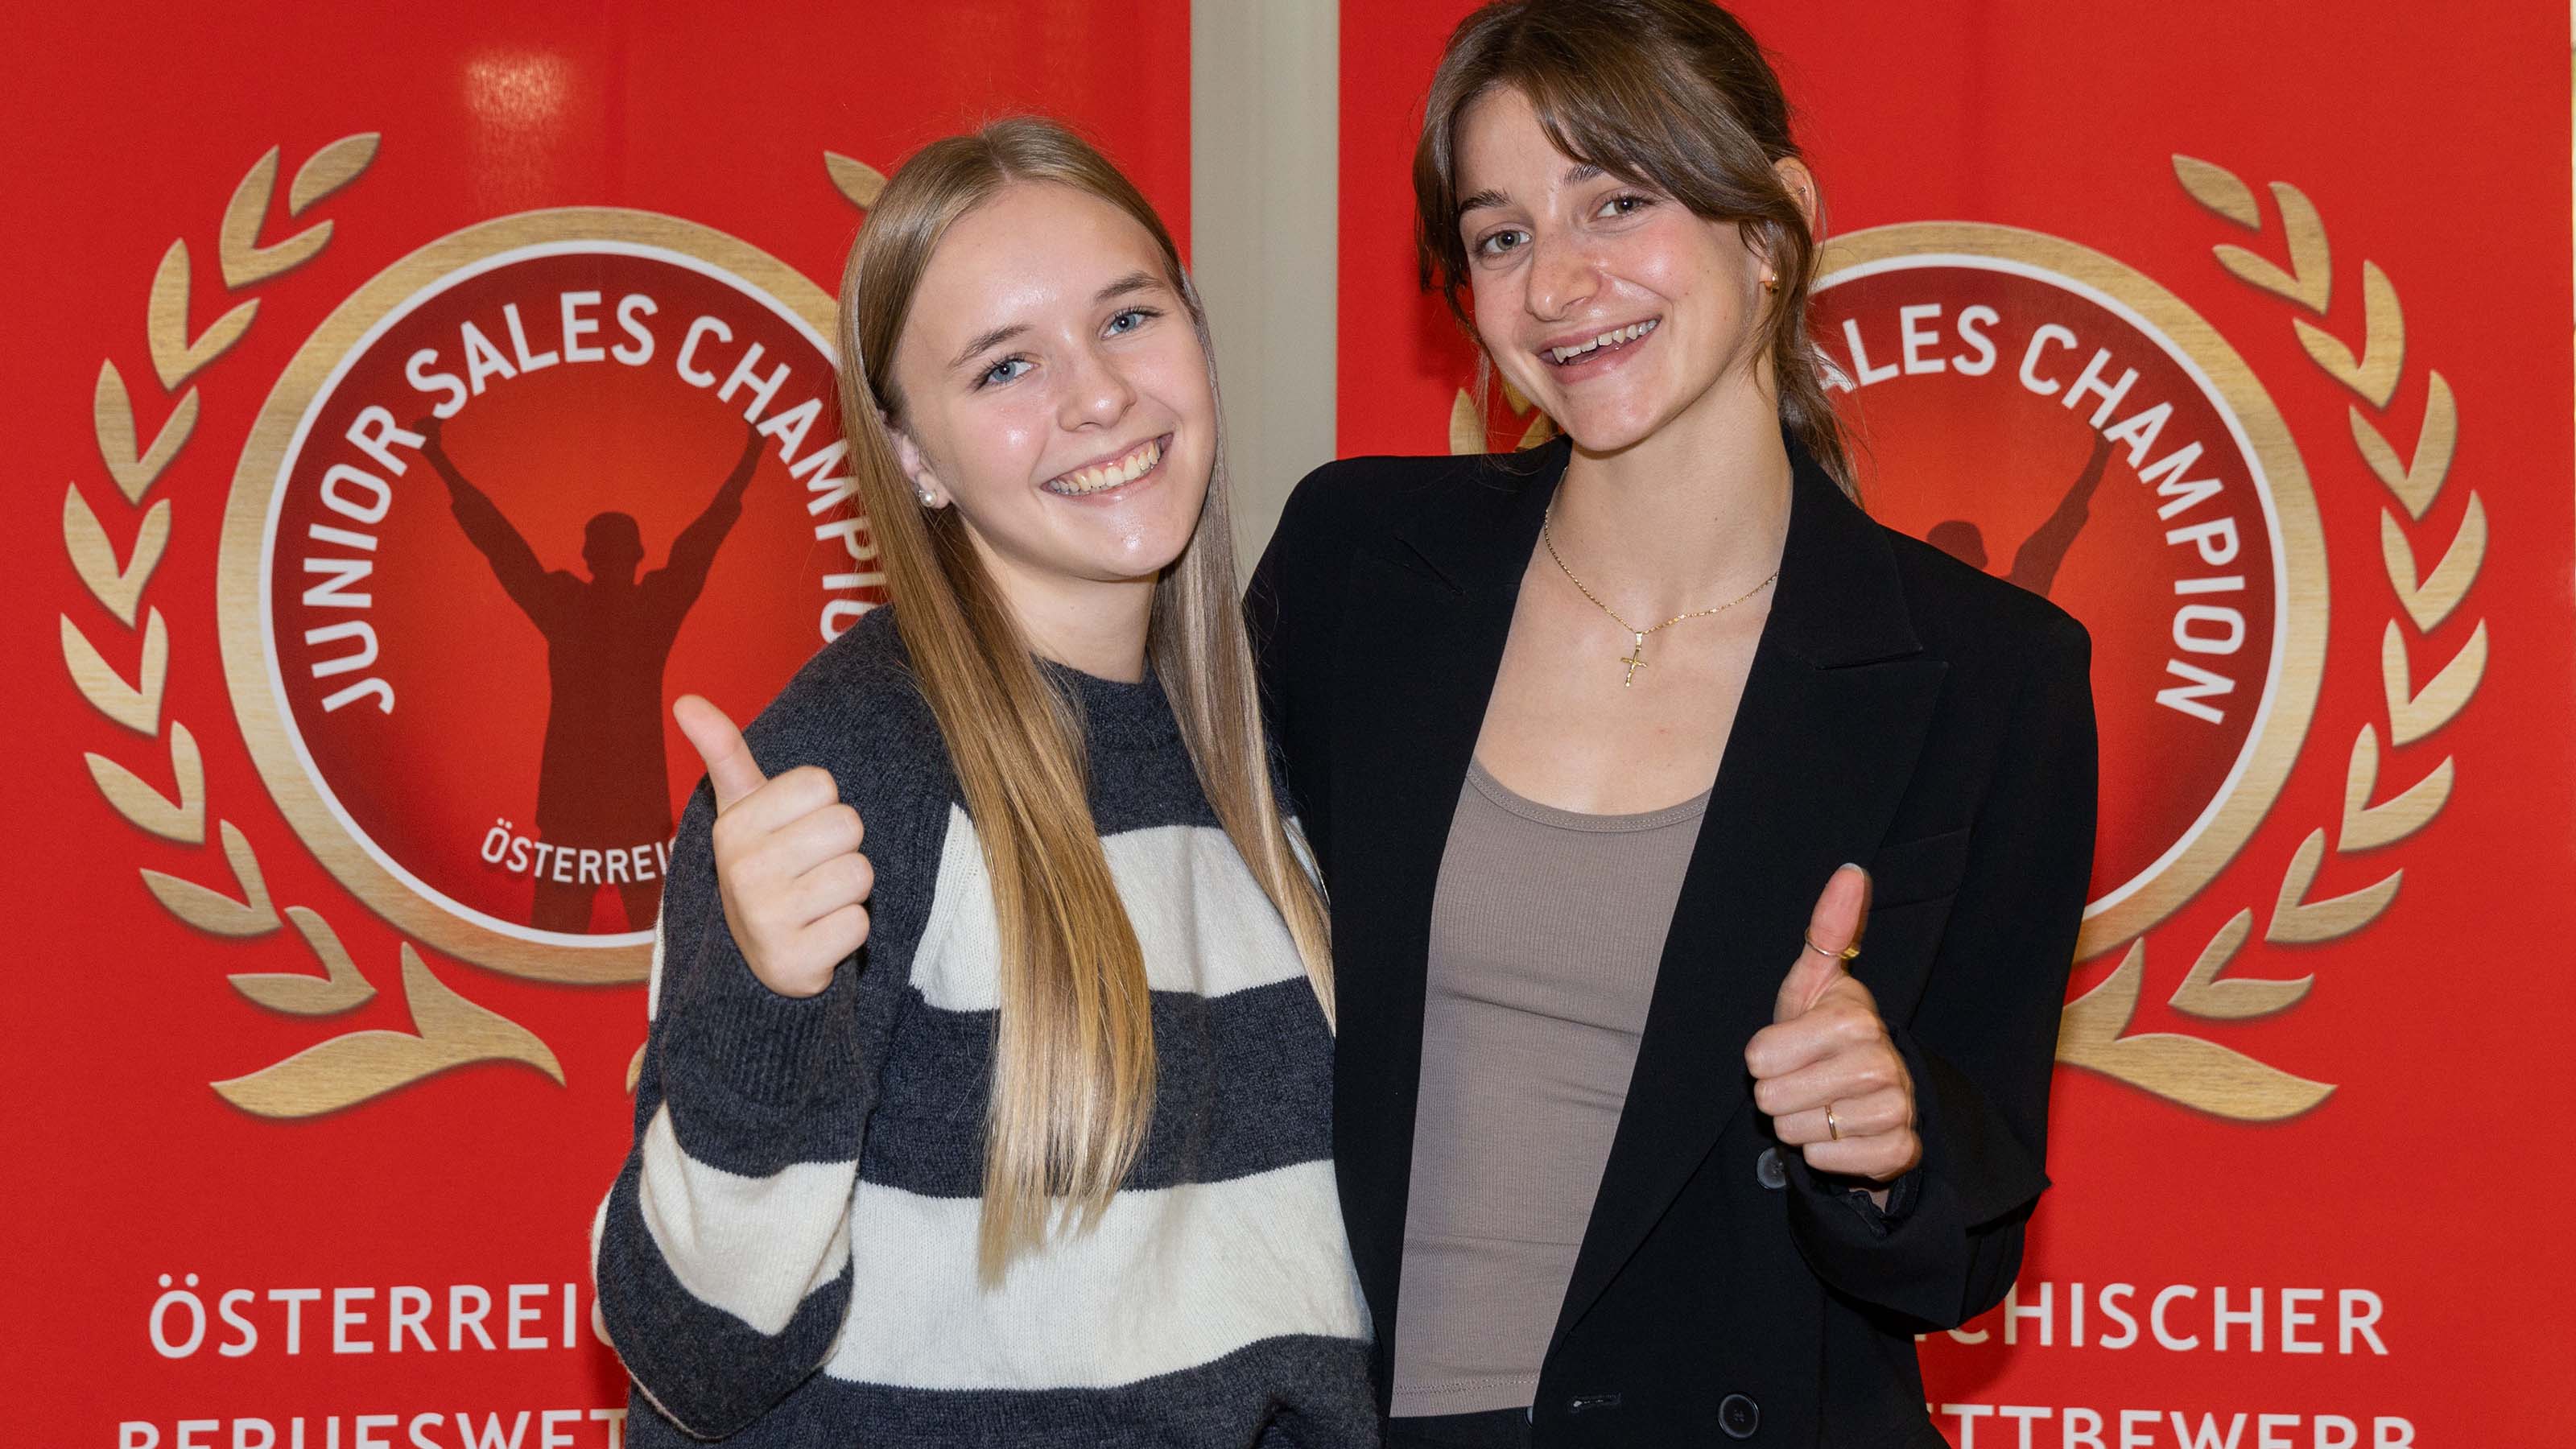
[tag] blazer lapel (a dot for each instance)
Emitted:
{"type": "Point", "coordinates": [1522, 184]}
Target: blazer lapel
{"type": "Point", "coordinates": [1824, 742]}
{"type": "Point", "coordinates": [1421, 639]}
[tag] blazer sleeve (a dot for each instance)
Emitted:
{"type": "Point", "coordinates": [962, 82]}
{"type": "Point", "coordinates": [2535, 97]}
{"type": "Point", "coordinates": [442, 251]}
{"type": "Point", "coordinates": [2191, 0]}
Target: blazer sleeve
{"type": "Point", "coordinates": [1981, 1044]}
{"type": "Point", "coordinates": [1289, 613]}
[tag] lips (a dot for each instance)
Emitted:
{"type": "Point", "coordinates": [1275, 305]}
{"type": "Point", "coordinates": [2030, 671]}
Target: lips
{"type": "Point", "coordinates": [1115, 472]}
{"type": "Point", "coordinates": [1562, 354]}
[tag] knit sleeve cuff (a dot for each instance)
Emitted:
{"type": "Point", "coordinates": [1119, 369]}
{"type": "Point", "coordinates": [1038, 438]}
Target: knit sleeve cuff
{"type": "Point", "coordinates": [763, 1049]}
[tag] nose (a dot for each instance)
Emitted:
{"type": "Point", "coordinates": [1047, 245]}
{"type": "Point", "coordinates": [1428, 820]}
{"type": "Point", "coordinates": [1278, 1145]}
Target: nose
{"type": "Point", "coordinates": [1562, 277]}
{"type": "Point", "coordinates": [1096, 393]}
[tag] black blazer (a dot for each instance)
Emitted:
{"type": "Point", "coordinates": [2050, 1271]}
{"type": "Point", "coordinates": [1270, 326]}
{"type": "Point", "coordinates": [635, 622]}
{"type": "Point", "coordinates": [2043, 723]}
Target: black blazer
{"type": "Point", "coordinates": [1904, 711]}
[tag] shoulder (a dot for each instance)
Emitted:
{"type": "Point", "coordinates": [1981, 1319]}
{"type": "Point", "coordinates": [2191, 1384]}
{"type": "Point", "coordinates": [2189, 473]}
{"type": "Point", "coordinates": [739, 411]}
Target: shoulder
{"type": "Point", "coordinates": [1969, 616]}
{"type": "Point", "coordinates": [1353, 499]}
{"type": "Point", "coordinates": [856, 710]}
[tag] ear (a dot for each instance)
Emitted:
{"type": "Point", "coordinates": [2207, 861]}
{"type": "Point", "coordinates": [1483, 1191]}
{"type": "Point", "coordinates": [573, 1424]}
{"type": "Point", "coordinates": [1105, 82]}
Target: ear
{"type": "Point", "coordinates": [1801, 186]}
{"type": "Point", "coordinates": [916, 467]}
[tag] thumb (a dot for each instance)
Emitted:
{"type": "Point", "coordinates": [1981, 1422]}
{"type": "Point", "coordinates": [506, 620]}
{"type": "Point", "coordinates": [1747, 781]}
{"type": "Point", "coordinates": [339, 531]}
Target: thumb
{"type": "Point", "coordinates": [1831, 927]}
{"type": "Point", "coordinates": [730, 767]}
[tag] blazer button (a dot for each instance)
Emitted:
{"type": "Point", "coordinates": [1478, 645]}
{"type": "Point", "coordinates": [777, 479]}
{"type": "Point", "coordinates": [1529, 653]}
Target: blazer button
{"type": "Point", "coordinates": [1773, 1173]}
{"type": "Point", "coordinates": [1739, 1416]}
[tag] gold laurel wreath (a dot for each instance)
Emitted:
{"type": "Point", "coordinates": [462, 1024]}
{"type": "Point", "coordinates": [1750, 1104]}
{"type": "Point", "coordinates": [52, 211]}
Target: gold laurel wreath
{"type": "Point", "coordinates": [341, 1071]}
{"type": "Point", "coordinates": [2191, 1070]}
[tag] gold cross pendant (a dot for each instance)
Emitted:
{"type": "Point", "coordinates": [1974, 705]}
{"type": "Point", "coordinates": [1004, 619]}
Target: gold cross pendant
{"type": "Point", "coordinates": [1635, 660]}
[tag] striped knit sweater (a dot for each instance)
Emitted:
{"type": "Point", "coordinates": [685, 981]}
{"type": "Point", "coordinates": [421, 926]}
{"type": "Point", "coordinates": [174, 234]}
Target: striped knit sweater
{"type": "Point", "coordinates": [789, 1255]}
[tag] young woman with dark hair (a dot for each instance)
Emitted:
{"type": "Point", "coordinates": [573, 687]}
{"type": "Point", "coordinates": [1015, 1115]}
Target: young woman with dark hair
{"type": "Point", "coordinates": [1635, 1146]}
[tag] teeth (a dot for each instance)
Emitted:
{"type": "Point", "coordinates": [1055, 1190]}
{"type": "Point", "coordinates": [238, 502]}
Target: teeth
{"type": "Point", "coordinates": [1613, 338]}
{"type": "Point", "coordinates": [1108, 475]}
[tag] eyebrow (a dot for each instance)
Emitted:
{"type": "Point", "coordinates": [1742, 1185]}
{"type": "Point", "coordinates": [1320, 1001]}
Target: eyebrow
{"type": "Point", "coordinates": [1133, 282]}
{"type": "Point", "coordinates": [985, 340]}
{"type": "Point", "coordinates": [1575, 175]}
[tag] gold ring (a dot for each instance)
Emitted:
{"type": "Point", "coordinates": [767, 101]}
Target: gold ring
{"type": "Point", "coordinates": [1831, 1126]}
{"type": "Point", "coordinates": [1847, 953]}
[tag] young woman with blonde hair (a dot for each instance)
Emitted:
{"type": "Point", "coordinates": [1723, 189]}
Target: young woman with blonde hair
{"type": "Point", "coordinates": [1015, 1128]}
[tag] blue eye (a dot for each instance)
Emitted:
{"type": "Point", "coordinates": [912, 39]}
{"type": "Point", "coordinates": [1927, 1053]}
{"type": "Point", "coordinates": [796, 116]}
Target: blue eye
{"type": "Point", "coordinates": [1003, 371]}
{"type": "Point", "coordinates": [1130, 320]}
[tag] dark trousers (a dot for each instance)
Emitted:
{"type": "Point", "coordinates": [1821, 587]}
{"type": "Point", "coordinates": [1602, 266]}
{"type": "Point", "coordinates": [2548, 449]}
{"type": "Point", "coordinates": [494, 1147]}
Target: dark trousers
{"type": "Point", "coordinates": [1492, 1429]}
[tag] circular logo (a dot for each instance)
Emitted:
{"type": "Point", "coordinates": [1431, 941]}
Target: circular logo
{"type": "Point", "coordinates": [2046, 414]}
{"type": "Point", "coordinates": [514, 495]}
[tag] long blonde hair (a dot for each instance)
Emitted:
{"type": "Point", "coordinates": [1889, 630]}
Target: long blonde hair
{"type": "Point", "coordinates": [1073, 1062]}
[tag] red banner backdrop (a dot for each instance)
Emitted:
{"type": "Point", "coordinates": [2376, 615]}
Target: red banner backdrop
{"type": "Point", "coordinates": [2242, 332]}
{"type": "Point", "coordinates": [342, 783]}
{"type": "Point", "coordinates": [2215, 325]}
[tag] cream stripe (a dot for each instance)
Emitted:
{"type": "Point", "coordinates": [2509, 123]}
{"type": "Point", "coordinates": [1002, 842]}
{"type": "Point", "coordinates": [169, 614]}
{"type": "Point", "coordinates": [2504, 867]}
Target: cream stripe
{"type": "Point", "coordinates": [1201, 918]}
{"type": "Point", "coordinates": [752, 1246]}
{"type": "Point", "coordinates": [1169, 1279]}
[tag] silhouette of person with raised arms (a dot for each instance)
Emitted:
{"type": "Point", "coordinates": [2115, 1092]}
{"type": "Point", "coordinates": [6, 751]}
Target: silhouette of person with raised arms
{"type": "Point", "coordinates": [601, 782]}
{"type": "Point", "coordinates": [2034, 567]}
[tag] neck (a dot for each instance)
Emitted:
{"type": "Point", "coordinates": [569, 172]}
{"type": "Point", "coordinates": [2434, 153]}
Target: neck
{"type": "Point", "coordinates": [1097, 626]}
{"type": "Point", "coordinates": [1689, 516]}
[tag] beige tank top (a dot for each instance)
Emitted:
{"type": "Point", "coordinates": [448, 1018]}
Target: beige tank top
{"type": "Point", "coordinates": [1546, 931]}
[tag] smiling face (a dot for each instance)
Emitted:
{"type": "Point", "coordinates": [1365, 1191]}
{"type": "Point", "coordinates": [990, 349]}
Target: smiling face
{"type": "Point", "coordinates": [1054, 391]}
{"type": "Point", "coordinates": [1612, 306]}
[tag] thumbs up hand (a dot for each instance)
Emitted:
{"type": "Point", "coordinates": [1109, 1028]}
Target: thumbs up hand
{"type": "Point", "coordinates": [787, 859]}
{"type": "Point", "coordinates": [1824, 1069]}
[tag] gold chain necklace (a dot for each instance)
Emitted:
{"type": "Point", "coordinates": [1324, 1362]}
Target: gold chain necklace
{"type": "Point", "coordinates": [1635, 659]}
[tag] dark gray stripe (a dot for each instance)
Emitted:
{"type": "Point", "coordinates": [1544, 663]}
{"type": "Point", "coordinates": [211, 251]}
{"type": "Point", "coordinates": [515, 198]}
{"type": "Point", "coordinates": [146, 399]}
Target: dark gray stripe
{"type": "Point", "coordinates": [1291, 1392]}
{"type": "Point", "coordinates": [1244, 1085]}
{"type": "Point", "coordinates": [712, 1369]}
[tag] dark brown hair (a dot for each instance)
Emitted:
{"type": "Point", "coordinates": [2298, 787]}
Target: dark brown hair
{"type": "Point", "coordinates": [1673, 94]}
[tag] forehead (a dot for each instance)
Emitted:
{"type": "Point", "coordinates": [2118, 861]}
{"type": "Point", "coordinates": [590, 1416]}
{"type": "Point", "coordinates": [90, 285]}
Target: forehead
{"type": "Point", "coordinates": [1035, 245]}
{"type": "Point", "coordinates": [1500, 141]}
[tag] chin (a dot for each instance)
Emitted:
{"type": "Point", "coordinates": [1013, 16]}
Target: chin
{"type": "Point", "coordinates": [1598, 429]}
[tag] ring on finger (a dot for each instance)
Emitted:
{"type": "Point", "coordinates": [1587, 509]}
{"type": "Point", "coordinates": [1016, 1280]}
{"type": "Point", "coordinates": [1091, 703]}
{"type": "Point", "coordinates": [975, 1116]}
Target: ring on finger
{"type": "Point", "coordinates": [1832, 1128]}
{"type": "Point", "coordinates": [1847, 953]}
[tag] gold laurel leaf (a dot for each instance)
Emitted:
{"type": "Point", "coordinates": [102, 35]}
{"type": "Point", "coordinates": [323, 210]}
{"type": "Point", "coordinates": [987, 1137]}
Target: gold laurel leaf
{"type": "Point", "coordinates": [2204, 993]}
{"type": "Point", "coordinates": [2415, 483]}
{"type": "Point", "coordinates": [2367, 826]}
{"type": "Point", "coordinates": [2188, 1070]}
{"type": "Point", "coordinates": [2412, 716]}
{"type": "Point", "coordinates": [1541, 429]}
{"type": "Point", "coordinates": [635, 1068]}
{"type": "Point", "coordinates": [112, 418]}
{"type": "Point", "coordinates": [119, 587]}
{"type": "Point", "coordinates": [183, 819]}
{"type": "Point", "coordinates": [245, 261]}
{"type": "Point", "coordinates": [1514, 399]}
{"type": "Point", "coordinates": [855, 179]}
{"type": "Point", "coordinates": [359, 1065]}
{"type": "Point", "coordinates": [2298, 921]}
{"type": "Point", "coordinates": [1466, 430]}
{"type": "Point", "coordinates": [2383, 347]}
{"type": "Point", "coordinates": [2220, 190]}
{"type": "Point", "coordinates": [2310, 279]}
{"type": "Point", "coordinates": [212, 911]}
{"type": "Point", "coordinates": [2430, 600]}
{"type": "Point", "coordinates": [174, 356]}
{"type": "Point", "coordinates": [136, 706]}
{"type": "Point", "coordinates": [329, 169]}
{"type": "Point", "coordinates": [342, 988]}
